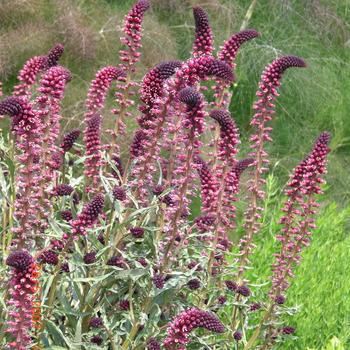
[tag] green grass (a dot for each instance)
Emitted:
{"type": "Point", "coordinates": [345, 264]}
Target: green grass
{"type": "Point", "coordinates": [312, 100]}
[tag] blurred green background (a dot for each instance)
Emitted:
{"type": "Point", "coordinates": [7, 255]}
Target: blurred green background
{"type": "Point", "coordinates": [312, 100]}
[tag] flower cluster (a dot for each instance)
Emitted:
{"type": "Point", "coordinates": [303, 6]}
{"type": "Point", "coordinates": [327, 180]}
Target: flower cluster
{"type": "Point", "coordinates": [203, 43]}
{"type": "Point", "coordinates": [299, 210]}
{"type": "Point", "coordinates": [185, 322]}
{"type": "Point", "coordinates": [69, 139]}
{"type": "Point", "coordinates": [23, 286]}
{"type": "Point", "coordinates": [264, 111]}
{"type": "Point", "coordinates": [88, 217]}
{"type": "Point", "coordinates": [93, 161]}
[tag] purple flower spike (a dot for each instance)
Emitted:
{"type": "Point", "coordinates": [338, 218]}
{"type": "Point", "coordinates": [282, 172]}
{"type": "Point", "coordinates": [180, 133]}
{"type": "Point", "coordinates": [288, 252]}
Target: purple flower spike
{"type": "Point", "coordinates": [153, 344]}
{"type": "Point", "coordinates": [179, 329]}
{"type": "Point", "coordinates": [229, 51]}
{"type": "Point", "coordinates": [190, 96]}
{"type": "Point", "coordinates": [203, 43]}
{"type": "Point", "coordinates": [54, 55]}
{"type": "Point", "coordinates": [69, 139]}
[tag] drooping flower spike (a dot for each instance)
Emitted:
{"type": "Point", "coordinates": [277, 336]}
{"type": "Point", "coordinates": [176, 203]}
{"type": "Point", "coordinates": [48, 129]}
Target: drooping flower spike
{"type": "Point", "coordinates": [299, 211]}
{"type": "Point", "coordinates": [99, 87]}
{"type": "Point", "coordinates": [33, 67]}
{"type": "Point", "coordinates": [229, 135]}
{"type": "Point", "coordinates": [228, 51]}
{"type": "Point", "coordinates": [69, 140]}
{"type": "Point", "coordinates": [203, 43]}
{"type": "Point", "coordinates": [228, 54]}
{"type": "Point", "coordinates": [180, 328]}
{"type": "Point", "coordinates": [88, 217]}
{"type": "Point", "coordinates": [264, 110]}
{"type": "Point", "coordinates": [132, 31]}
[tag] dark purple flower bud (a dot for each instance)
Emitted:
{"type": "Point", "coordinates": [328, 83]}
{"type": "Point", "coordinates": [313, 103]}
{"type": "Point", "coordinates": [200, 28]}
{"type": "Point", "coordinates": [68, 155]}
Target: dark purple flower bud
{"type": "Point", "coordinates": [158, 281]}
{"type": "Point", "coordinates": [117, 261]}
{"type": "Point", "coordinates": [89, 215]}
{"type": "Point", "coordinates": [255, 307]}
{"type": "Point", "coordinates": [96, 322]}
{"type": "Point", "coordinates": [231, 46]}
{"type": "Point", "coordinates": [222, 299]}
{"type": "Point", "coordinates": [153, 344]}
{"type": "Point", "coordinates": [119, 193]}
{"type": "Point", "coordinates": [137, 147]}
{"type": "Point", "coordinates": [118, 164]}
{"type": "Point", "coordinates": [243, 290]}
{"type": "Point", "coordinates": [193, 264]}
{"type": "Point", "coordinates": [280, 299]}
{"type": "Point", "coordinates": [243, 165]}
{"type": "Point", "coordinates": [288, 330]}
{"type": "Point", "coordinates": [221, 70]}
{"type": "Point", "coordinates": [90, 258]}
{"type": "Point", "coordinates": [10, 106]}
{"type": "Point", "coordinates": [194, 284]}
{"type": "Point", "coordinates": [203, 44]}
{"type": "Point", "coordinates": [137, 232]}
{"type": "Point", "coordinates": [124, 305]}
{"type": "Point", "coordinates": [65, 267]}
{"type": "Point", "coordinates": [66, 215]}
{"type": "Point", "coordinates": [158, 190]}
{"type": "Point", "coordinates": [101, 238]}
{"type": "Point", "coordinates": [190, 96]}
{"type": "Point", "coordinates": [152, 84]}
{"type": "Point", "coordinates": [63, 190]}
{"type": "Point", "coordinates": [237, 335]}
{"type": "Point", "coordinates": [143, 262]}
{"type": "Point", "coordinates": [20, 260]}
{"type": "Point", "coordinates": [49, 257]}
{"type": "Point", "coordinates": [231, 285]}
{"type": "Point", "coordinates": [96, 339]}
{"type": "Point", "coordinates": [54, 55]}
{"type": "Point", "coordinates": [69, 139]}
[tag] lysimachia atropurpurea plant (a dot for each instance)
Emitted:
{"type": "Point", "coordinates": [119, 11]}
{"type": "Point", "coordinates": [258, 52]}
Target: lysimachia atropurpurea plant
{"type": "Point", "coordinates": [124, 264]}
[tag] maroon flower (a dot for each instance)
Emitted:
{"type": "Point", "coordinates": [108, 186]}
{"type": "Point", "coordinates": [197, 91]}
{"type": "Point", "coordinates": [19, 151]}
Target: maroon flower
{"type": "Point", "coordinates": [124, 305]}
{"type": "Point", "coordinates": [62, 190]}
{"type": "Point", "coordinates": [229, 51]}
{"type": "Point", "coordinates": [54, 55]}
{"type": "Point", "coordinates": [137, 147]}
{"type": "Point", "coordinates": [179, 329]}
{"type": "Point", "coordinates": [158, 281]}
{"type": "Point", "coordinates": [49, 257]}
{"type": "Point", "coordinates": [288, 330]}
{"type": "Point", "coordinates": [137, 232]}
{"type": "Point", "coordinates": [194, 283]}
{"type": "Point", "coordinates": [243, 290]}
{"type": "Point", "coordinates": [65, 267]}
{"type": "Point", "coordinates": [96, 339]}
{"type": "Point", "coordinates": [21, 260]}
{"type": "Point", "coordinates": [231, 285]}
{"type": "Point", "coordinates": [89, 258]}
{"type": "Point", "coordinates": [153, 344]}
{"type": "Point", "coordinates": [119, 193]}
{"type": "Point", "coordinates": [117, 261]}
{"type": "Point", "coordinates": [203, 43]}
{"type": "Point", "coordinates": [88, 217]}
{"type": "Point", "coordinates": [69, 139]}
{"type": "Point", "coordinates": [66, 215]}
{"type": "Point", "coordinates": [237, 335]}
{"type": "Point", "coordinates": [96, 322]}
